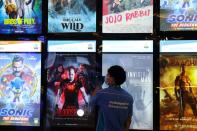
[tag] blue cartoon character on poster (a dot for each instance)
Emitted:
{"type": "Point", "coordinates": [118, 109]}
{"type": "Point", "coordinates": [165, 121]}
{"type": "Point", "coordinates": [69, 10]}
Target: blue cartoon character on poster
{"type": "Point", "coordinates": [17, 88]}
{"type": "Point", "coordinates": [20, 81]}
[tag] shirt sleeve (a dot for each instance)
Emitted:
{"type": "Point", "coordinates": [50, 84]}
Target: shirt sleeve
{"type": "Point", "coordinates": [94, 100]}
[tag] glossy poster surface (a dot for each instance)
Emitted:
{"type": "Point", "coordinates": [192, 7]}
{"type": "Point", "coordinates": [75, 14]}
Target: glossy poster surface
{"type": "Point", "coordinates": [71, 78]}
{"type": "Point", "coordinates": [20, 16]}
{"type": "Point", "coordinates": [20, 75]}
{"type": "Point", "coordinates": [71, 16]}
{"type": "Point", "coordinates": [127, 16]}
{"type": "Point", "coordinates": [138, 84]}
{"type": "Point", "coordinates": [178, 15]}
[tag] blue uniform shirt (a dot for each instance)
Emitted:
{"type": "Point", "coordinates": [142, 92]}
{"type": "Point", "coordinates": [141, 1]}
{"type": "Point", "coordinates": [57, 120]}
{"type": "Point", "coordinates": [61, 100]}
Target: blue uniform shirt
{"type": "Point", "coordinates": [115, 105]}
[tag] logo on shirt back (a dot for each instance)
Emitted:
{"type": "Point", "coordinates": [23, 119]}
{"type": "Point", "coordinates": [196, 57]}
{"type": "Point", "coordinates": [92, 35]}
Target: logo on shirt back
{"type": "Point", "coordinates": [118, 105]}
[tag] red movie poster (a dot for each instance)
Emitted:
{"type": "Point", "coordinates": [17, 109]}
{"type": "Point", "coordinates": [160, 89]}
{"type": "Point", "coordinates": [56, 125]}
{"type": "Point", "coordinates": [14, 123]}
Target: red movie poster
{"type": "Point", "coordinates": [71, 78]}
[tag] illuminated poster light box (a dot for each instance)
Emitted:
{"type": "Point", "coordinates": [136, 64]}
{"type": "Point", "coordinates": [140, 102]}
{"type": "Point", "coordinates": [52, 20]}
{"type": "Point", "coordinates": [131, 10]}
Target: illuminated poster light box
{"type": "Point", "coordinates": [178, 15]}
{"type": "Point", "coordinates": [178, 69]}
{"type": "Point", "coordinates": [20, 83]}
{"type": "Point", "coordinates": [71, 78]}
{"type": "Point", "coordinates": [124, 16]}
{"type": "Point", "coordinates": [20, 17]}
{"type": "Point", "coordinates": [71, 16]}
{"type": "Point", "coordinates": [136, 57]}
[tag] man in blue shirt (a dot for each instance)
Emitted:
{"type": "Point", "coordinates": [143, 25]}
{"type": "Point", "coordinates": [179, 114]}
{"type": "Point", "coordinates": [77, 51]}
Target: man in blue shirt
{"type": "Point", "coordinates": [115, 104]}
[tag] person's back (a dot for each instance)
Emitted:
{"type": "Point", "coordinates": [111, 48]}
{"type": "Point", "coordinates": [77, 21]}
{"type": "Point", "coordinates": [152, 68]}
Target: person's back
{"type": "Point", "coordinates": [114, 104]}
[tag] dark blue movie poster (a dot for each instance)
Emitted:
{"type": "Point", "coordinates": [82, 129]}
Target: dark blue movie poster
{"type": "Point", "coordinates": [178, 15]}
{"type": "Point", "coordinates": [20, 16]}
{"type": "Point", "coordinates": [71, 16]}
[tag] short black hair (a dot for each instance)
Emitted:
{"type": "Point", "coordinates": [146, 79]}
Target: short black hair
{"type": "Point", "coordinates": [17, 58]}
{"type": "Point", "coordinates": [118, 73]}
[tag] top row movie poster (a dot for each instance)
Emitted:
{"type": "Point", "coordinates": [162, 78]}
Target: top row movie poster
{"type": "Point", "coordinates": [20, 16]}
{"type": "Point", "coordinates": [118, 16]}
{"type": "Point", "coordinates": [178, 15]}
{"type": "Point", "coordinates": [127, 16]}
{"type": "Point", "coordinates": [71, 16]}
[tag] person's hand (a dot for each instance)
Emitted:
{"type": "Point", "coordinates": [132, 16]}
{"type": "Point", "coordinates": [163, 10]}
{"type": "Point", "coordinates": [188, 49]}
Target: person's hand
{"type": "Point", "coordinates": [96, 90]}
{"type": "Point", "coordinates": [117, 2]}
{"type": "Point", "coordinates": [127, 123]}
{"type": "Point", "coordinates": [82, 90]}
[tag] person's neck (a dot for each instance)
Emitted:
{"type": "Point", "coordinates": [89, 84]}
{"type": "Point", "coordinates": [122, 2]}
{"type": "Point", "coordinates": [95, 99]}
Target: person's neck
{"type": "Point", "coordinates": [115, 86]}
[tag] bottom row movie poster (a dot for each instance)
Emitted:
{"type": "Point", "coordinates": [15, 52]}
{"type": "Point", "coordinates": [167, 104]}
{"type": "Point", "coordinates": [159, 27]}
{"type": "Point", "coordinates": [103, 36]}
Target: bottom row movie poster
{"type": "Point", "coordinates": [71, 81]}
{"type": "Point", "coordinates": [138, 83]}
{"type": "Point", "coordinates": [20, 89]}
{"type": "Point", "coordinates": [178, 92]}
